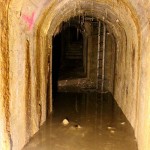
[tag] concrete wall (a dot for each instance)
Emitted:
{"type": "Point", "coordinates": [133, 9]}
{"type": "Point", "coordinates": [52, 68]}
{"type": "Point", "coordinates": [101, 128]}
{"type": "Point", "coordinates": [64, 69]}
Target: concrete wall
{"type": "Point", "coordinates": [92, 55]}
{"type": "Point", "coordinates": [5, 137]}
{"type": "Point", "coordinates": [24, 61]}
{"type": "Point", "coordinates": [110, 48]}
{"type": "Point", "coordinates": [110, 57]}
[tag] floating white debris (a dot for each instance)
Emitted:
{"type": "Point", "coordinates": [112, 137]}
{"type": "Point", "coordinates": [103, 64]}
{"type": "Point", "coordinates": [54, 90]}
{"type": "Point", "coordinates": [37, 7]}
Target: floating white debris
{"type": "Point", "coordinates": [65, 122]}
{"type": "Point", "coordinates": [117, 20]}
{"type": "Point", "coordinates": [108, 33]}
{"type": "Point", "coordinates": [78, 126]}
{"type": "Point", "coordinates": [110, 128]}
{"type": "Point", "coordinates": [123, 123]}
{"type": "Point", "coordinates": [112, 131]}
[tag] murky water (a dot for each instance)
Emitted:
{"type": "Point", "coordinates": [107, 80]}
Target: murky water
{"type": "Point", "coordinates": [103, 125]}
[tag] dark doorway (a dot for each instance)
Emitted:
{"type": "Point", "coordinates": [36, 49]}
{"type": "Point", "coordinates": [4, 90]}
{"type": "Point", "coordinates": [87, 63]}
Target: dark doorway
{"type": "Point", "coordinates": [67, 54]}
{"type": "Point", "coordinates": [72, 60]}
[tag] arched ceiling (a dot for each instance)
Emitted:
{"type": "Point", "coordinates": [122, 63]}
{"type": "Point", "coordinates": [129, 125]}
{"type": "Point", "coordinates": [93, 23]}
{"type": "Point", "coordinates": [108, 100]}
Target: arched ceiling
{"type": "Point", "coordinates": [122, 16]}
{"type": "Point", "coordinates": [37, 13]}
{"type": "Point", "coordinates": [115, 13]}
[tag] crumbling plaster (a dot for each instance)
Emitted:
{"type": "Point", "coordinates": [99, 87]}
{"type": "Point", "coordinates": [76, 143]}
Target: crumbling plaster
{"type": "Point", "coordinates": [29, 26]}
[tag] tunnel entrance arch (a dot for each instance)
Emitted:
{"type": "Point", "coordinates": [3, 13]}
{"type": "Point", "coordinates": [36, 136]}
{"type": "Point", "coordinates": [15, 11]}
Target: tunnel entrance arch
{"type": "Point", "coordinates": [118, 26]}
{"type": "Point", "coordinates": [122, 21]}
{"type": "Point", "coordinates": [83, 53]}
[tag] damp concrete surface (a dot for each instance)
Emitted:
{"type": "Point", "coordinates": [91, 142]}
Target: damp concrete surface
{"type": "Point", "coordinates": [95, 123]}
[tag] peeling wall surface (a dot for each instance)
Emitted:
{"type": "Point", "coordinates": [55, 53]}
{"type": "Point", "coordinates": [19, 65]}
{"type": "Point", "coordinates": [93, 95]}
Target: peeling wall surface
{"type": "Point", "coordinates": [26, 30]}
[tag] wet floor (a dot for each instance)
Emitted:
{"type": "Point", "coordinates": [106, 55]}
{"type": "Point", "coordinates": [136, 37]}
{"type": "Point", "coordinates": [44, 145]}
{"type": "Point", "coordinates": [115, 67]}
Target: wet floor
{"type": "Point", "coordinates": [95, 123]}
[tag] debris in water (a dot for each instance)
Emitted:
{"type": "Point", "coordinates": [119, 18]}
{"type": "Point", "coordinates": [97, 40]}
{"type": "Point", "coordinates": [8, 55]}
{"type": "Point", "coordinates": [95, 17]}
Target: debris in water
{"type": "Point", "coordinates": [112, 131]}
{"type": "Point", "coordinates": [75, 127]}
{"type": "Point", "coordinates": [78, 126]}
{"type": "Point", "coordinates": [117, 20]}
{"type": "Point", "coordinates": [110, 128]}
{"type": "Point", "coordinates": [123, 123]}
{"type": "Point", "coordinates": [65, 122]}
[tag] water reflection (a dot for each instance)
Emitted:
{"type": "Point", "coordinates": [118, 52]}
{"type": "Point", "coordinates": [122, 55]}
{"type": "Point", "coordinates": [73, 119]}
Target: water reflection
{"type": "Point", "coordinates": [103, 125]}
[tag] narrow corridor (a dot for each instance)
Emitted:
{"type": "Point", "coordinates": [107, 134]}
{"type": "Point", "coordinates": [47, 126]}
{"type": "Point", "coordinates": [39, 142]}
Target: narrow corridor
{"type": "Point", "coordinates": [50, 46]}
{"type": "Point", "coordinates": [95, 123]}
{"type": "Point", "coordinates": [83, 62]}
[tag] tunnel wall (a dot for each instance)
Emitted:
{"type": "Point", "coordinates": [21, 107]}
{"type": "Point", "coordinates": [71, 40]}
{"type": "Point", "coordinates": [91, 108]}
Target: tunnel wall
{"type": "Point", "coordinates": [93, 56]}
{"type": "Point", "coordinates": [110, 62]}
{"type": "Point", "coordinates": [110, 48]}
{"type": "Point", "coordinates": [127, 57]}
{"type": "Point", "coordinates": [17, 82]}
{"type": "Point", "coordinates": [23, 90]}
{"type": "Point", "coordinates": [5, 137]}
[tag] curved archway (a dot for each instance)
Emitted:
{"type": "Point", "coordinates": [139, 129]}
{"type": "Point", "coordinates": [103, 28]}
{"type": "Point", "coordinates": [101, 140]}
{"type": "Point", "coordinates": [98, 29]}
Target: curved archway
{"type": "Point", "coordinates": [123, 26]}
{"type": "Point", "coordinates": [126, 30]}
{"type": "Point", "coordinates": [121, 20]}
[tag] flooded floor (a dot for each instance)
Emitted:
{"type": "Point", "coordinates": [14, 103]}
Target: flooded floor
{"type": "Point", "coordinates": [95, 123]}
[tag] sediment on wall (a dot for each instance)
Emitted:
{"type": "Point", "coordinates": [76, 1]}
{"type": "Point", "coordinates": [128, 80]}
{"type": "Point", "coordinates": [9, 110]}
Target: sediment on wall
{"type": "Point", "coordinates": [5, 140]}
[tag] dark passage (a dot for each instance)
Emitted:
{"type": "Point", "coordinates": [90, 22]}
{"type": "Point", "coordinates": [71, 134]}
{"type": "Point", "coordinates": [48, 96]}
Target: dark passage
{"type": "Point", "coordinates": [95, 123]}
{"type": "Point", "coordinates": [68, 54]}
{"type": "Point", "coordinates": [72, 60]}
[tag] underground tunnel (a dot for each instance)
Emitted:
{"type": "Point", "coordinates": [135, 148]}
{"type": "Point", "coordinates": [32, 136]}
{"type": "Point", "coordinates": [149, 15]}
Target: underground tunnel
{"type": "Point", "coordinates": [84, 109]}
{"type": "Point", "coordinates": [82, 61]}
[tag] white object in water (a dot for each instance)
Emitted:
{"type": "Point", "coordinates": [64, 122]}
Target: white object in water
{"type": "Point", "coordinates": [123, 123]}
{"type": "Point", "coordinates": [112, 131]}
{"type": "Point", "coordinates": [65, 122]}
{"type": "Point", "coordinates": [110, 128]}
{"type": "Point", "coordinates": [78, 126]}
